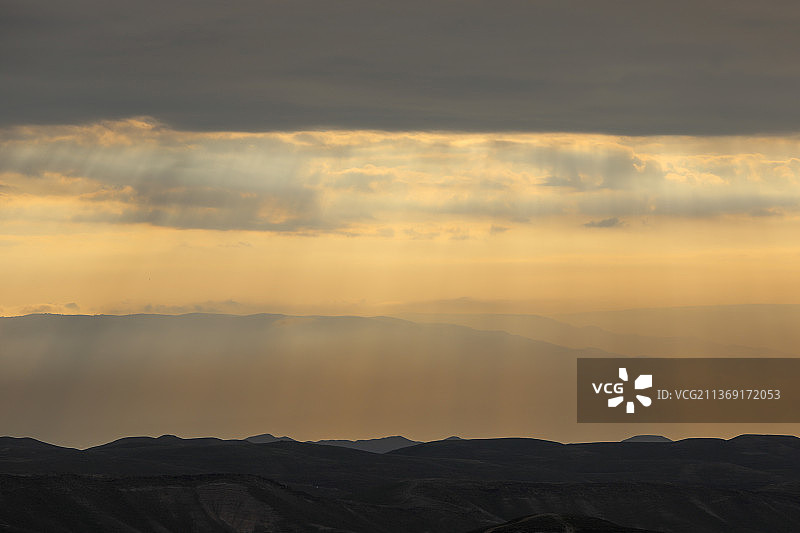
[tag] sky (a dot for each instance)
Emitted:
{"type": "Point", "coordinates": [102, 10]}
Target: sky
{"type": "Point", "coordinates": [355, 156]}
{"type": "Point", "coordinates": [365, 158]}
{"type": "Point", "coordinates": [135, 216]}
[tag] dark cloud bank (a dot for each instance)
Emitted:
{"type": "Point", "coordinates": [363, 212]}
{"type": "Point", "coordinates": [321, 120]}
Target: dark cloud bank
{"type": "Point", "coordinates": [631, 67]}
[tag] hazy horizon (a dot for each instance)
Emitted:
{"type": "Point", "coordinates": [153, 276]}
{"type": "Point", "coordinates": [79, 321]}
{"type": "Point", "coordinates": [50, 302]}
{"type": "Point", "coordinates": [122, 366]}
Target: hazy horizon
{"type": "Point", "coordinates": [348, 377]}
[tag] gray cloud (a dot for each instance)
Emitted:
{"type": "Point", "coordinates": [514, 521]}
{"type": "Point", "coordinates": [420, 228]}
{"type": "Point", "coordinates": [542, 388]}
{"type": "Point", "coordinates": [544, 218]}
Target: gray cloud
{"type": "Point", "coordinates": [368, 183]}
{"type": "Point", "coordinates": [765, 212]}
{"type": "Point", "coordinates": [613, 222]}
{"type": "Point", "coordinates": [695, 67]}
{"type": "Point", "coordinates": [591, 165]}
{"type": "Point", "coordinates": [494, 230]}
{"type": "Point", "coordinates": [421, 235]}
{"type": "Point", "coordinates": [152, 177]}
{"type": "Point", "coordinates": [49, 308]}
{"type": "Point", "coordinates": [683, 201]}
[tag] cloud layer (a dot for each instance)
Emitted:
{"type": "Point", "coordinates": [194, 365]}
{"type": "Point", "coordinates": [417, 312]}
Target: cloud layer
{"type": "Point", "coordinates": [423, 185]}
{"type": "Point", "coordinates": [623, 67]}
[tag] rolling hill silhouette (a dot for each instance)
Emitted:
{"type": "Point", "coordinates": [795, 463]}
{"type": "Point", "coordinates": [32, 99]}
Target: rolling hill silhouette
{"type": "Point", "coordinates": [379, 445]}
{"type": "Point", "coordinates": [748, 483]}
{"type": "Point", "coordinates": [82, 377]}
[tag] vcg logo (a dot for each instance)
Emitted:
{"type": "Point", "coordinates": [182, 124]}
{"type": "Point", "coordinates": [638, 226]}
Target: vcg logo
{"type": "Point", "coordinates": [644, 381]}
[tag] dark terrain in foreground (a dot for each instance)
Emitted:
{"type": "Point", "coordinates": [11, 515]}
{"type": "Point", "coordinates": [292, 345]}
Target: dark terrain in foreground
{"type": "Point", "coordinates": [167, 484]}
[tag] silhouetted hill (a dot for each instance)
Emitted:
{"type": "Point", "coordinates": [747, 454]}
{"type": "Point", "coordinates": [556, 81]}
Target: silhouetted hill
{"type": "Point", "coordinates": [23, 444]}
{"type": "Point", "coordinates": [647, 438]}
{"type": "Point", "coordinates": [744, 484]}
{"type": "Point", "coordinates": [266, 438]}
{"type": "Point", "coordinates": [381, 445]}
{"type": "Point", "coordinates": [201, 503]}
{"type": "Point", "coordinates": [506, 450]}
{"type": "Point", "coordinates": [744, 461]}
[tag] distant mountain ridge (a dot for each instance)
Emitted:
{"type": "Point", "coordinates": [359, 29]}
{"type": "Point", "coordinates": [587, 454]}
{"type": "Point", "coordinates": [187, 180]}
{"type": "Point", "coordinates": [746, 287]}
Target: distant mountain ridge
{"type": "Point", "coordinates": [378, 445]}
{"type": "Point", "coordinates": [388, 444]}
{"type": "Point", "coordinates": [688, 342]}
{"type": "Point", "coordinates": [383, 368]}
{"type": "Point", "coordinates": [265, 438]}
{"type": "Point", "coordinates": [647, 438]}
{"type": "Point", "coordinates": [772, 327]}
{"type": "Point", "coordinates": [211, 361]}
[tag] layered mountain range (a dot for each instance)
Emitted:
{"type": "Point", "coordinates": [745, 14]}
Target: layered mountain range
{"type": "Point", "coordinates": [78, 380]}
{"type": "Point", "coordinates": [143, 484]}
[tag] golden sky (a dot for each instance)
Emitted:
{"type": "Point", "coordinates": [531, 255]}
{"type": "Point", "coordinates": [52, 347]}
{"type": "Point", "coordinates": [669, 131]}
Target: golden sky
{"type": "Point", "coordinates": [132, 216]}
